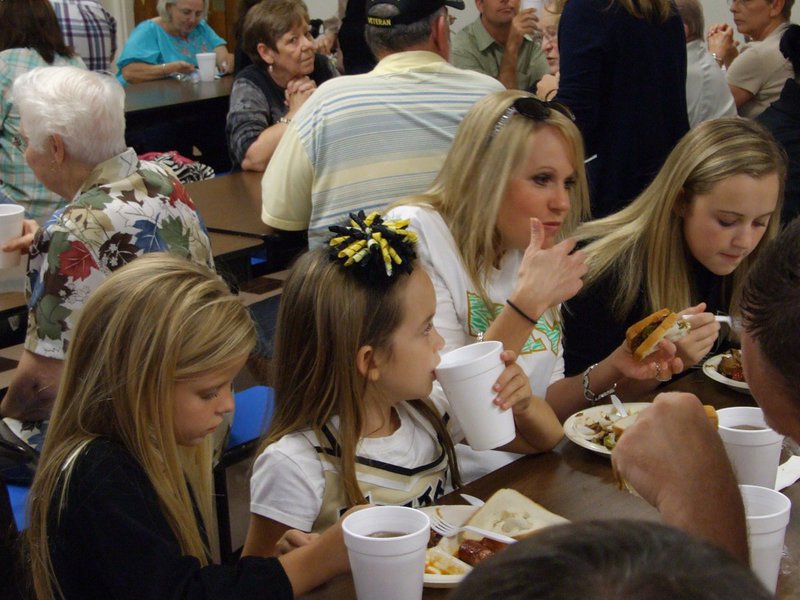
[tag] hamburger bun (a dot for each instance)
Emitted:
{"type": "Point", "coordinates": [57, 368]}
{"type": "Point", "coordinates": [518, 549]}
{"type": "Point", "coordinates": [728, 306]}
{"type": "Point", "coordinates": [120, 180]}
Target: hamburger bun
{"type": "Point", "coordinates": [510, 513]}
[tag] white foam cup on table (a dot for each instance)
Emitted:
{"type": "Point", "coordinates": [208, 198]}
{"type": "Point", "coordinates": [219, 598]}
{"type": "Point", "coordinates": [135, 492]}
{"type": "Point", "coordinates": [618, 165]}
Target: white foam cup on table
{"type": "Point", "coordinates": [767, 513]}
{"type": "Point", "coordinates": [11, 218]}
{"type": "Point", "coordinates": [207, 65]}
{"type": "Point", "coordinates": [391, 565]}
{"type": "Point", "coordinates": [754, 453]}
{"type": "Point", "coordinates": [467, 375]}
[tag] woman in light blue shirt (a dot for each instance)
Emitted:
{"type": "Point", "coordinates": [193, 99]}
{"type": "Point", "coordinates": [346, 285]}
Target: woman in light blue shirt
{"type": "Point", "coordinates": [167, 44]}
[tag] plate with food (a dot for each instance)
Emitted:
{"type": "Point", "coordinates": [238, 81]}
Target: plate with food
{"type": "Point", "coordinates": [727, 369]}
{"type": "Point", "coordinates": [597, 428]}
{"type": "Point", "coordinates": [449, 560]}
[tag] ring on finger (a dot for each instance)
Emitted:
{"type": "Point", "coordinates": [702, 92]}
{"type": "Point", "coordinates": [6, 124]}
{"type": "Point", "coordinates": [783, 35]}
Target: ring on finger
{"type": "Point", "coordinates": [658, 373]}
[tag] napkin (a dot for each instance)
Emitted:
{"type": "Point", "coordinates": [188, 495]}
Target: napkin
{"type": "Point", "coordinates": [788, 473]}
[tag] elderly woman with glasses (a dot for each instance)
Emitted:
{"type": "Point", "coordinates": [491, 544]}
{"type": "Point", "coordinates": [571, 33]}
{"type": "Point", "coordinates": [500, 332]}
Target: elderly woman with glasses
{"type": "Point", "coordinates": [757, 72]}
{"type": "Point", "coordinates": [166, 45]}
{"type": "Point", "coordinates": [686, 243]}
{"type": "Point", "coordinates": [492, 235]}
{"type": "Point", "coordinates": [73, 123]}
{"type": "Point", "coordinates": [34, 40]}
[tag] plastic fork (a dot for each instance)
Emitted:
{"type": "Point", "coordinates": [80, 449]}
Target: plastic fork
{"type": "Point", "coordinates": [447, 529]}
{"type": "Point", "coordinates": [734, 323]}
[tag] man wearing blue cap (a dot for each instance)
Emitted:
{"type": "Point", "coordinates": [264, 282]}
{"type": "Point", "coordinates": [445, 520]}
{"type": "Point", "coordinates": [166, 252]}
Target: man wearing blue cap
{"type": "Point", "coordinates": [364, 141]}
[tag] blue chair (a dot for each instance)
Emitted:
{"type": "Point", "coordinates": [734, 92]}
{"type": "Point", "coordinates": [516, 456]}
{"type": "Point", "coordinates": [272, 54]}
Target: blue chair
{"type": "Point", "coordinates": [18, 495]}
{"type": "Point", "coordinates": [251, 418]}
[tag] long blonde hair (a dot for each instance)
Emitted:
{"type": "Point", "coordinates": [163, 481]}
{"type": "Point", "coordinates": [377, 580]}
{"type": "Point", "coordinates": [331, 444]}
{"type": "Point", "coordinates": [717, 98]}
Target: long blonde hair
{"type": "Point", "coordinates": [471, 186]}
{"type": "Point", "coordinates": [642, 246]}
{"type": "Point", "coordinates": [326, 314]}
{"type": "Point", "coordinates": [118, 382]}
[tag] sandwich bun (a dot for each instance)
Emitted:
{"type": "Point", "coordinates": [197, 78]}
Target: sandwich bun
{"type": "Point", "coordinates": [643, 337]}
{"type": "Point", "coordinates": [510, 513]}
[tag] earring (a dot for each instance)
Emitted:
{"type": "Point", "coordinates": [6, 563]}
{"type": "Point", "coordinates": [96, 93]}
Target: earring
{"type": "Point", "coordinates": [269, 69]}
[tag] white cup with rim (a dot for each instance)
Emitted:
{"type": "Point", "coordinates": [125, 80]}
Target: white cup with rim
{"type": "Point", "coordinates": [752, 447]}
{"type": "Point", "coordinates": [467, 375]}
{"type": "Point", "coordinates": [386, 546]}
{"type": "Point", "coordinates": [767, 513]}
{"type": "Point", "coordinates": [207, 65]}
{"type": "Point", "coordinates": [11, 218]}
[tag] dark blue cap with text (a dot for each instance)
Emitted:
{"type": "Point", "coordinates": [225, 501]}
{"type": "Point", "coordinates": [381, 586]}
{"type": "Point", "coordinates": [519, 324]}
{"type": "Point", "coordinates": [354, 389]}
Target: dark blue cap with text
{"type": "Point", "coordinates": [409, 11]}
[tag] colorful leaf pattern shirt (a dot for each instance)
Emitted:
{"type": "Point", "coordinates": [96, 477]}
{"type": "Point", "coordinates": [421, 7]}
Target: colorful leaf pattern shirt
{"type": "Point", "coordinates": [124, 209]}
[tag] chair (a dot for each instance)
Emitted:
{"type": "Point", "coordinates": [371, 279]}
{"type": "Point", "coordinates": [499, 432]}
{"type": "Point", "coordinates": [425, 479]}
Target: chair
{"type": "Point", "coordinates": [12, 521]}
{"type": "Point", "coordinates": [251, 417]}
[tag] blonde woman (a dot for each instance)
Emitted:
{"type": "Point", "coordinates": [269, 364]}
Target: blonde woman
{"type": "Point", "coordinates": [512, 186]}
{"type": "Point", "coordinates": [121, 502]}
{"type": "Point", "coordinates": [686, 243]}
{"type": "Point", "coordinates": [623, 74]}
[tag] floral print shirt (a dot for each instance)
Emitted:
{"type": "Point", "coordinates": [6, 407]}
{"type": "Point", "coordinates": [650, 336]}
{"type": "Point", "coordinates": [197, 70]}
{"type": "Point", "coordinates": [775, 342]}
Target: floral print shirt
{"type": "Point", "coordinates": [124, 209]}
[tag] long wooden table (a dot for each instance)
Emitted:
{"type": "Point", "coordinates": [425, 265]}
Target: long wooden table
{"type": "Point", "coordinates": [180, 115]}
{"type": "Point", "coordinates": [231, 203]}
{"type": "Point", "coordinates": [578, 484]}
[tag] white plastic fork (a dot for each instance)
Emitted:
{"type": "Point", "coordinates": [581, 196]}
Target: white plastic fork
{"type": "Point", "coordinates": [447, 529]}
{"type": "Point", "coordinates": [734, 323]}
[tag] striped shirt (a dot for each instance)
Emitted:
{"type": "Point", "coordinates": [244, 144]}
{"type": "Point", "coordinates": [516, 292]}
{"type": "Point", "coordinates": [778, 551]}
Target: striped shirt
{"type": "Point", "coordinates": [89, 29]}
{"type": "Point", "coordinates": [17, 180]}
{"type": "Point", "coordinates": [365, 141]}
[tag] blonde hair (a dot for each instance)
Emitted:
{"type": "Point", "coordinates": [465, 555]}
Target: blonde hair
{"type": "Point", "coordinates": [326, 314]}
{"type": "Point", "coordinates": [642, 246]}
{"type": "Point", "coordinates": [118, 382]}
{"type": "Point", "coordinates": [471, 186]}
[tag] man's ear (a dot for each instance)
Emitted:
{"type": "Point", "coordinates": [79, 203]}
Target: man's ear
{"type": "Point", "coordinates": [776, 7]}
{"type": "Point", "coordinates": [366, 365]}
{"type": "Point", "coordinates": [57, 147]}
{"type": "Point", "coordinates": [440, 36]}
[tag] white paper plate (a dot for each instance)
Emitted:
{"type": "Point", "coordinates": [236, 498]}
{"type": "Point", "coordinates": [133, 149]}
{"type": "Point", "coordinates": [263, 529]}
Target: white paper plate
{"type": "Point", "coordinates": [573, 424]}
{"type": "Point", "coordinates": [457, 515]}
{"type": "Point", "coordinates": [710, 369]}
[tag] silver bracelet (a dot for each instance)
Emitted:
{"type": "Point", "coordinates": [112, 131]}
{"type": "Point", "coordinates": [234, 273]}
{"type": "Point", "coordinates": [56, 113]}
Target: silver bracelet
{"type": "Point", "coordinates": [588, 394]}
{"type": "Point", "coordinates": [480, 336]}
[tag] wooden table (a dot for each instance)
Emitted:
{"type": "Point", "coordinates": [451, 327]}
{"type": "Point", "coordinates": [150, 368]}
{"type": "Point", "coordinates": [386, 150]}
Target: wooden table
{"type": "Point", "coordinates": [231, 203]}
{"type": "Point", "coordinates": [11, 303]}
{"type": "Point", "coordinates": [179, 115]}
{"type": "Point", "coordinates": [578, 484]}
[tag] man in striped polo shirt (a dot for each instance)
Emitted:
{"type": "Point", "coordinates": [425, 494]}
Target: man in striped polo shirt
{"type": "Point", "coordinates": [364, 141]}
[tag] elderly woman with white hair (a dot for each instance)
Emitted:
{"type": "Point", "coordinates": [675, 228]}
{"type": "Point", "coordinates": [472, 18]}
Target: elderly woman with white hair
{"type": "Point", "coordinates": [166, 45]}
{"type": "Point", "coordinates": [73, 130]}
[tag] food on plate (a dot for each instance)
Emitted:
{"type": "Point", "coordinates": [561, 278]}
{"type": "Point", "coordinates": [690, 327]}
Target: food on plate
{"type": "Point", "coordinates": [474, 551]}
{"type": "Point", "coordinates": [507, 512]}
{"type": "Point", "coordinates": [643, 337]}
{"type": "Point", "coordinates": [510, 513]}
{"type": "Point", "coordinates": [600, 430]}
{"type": "Point", "coordinates": [439, 562]}
{"type": "Point", "coordinates": [730, 365]}
{"type": "Point", "coordinates": [622, 424]}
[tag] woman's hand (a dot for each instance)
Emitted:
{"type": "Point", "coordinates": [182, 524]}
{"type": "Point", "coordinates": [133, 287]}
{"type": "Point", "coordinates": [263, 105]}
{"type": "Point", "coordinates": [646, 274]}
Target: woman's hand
{"type": "Point", "coordinates": [701, 337]}
{"type": "Point", "coordinates": [547, 86]}
{"type": "Point", "coordinates": [23, 242]}
{"type": "Point", "coordinates": [547, 276]}
{"type": "Point", "coordinates": [292, 539]}
{"type": "Point", "coordinates": [179, 66]}
{"type": "Point", "coordinates": [225, 63]}
{"type": "Point", "coordinates": [298, 90]}
{"type": "Point", "coordinates": [721, 43]}
{"type": "Point", "coordinates": [512, 387]}
{"type": "Point", "coordinates": [661, 365]}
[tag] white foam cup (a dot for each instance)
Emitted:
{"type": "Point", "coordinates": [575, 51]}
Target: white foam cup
{"type": "Point", "coordinates": [11, 218]}
{"type": "Point", "coordinates": [467, 375]}
{"type": "Point", "coordinates": [207, 65]}
{"type": "Point", "coordinates": [387, 568]}
{"type": "Point", "coordinates": [537, 4]}
{"type": "Point", "coordinates": [755, 453]}
{"type": "Point", "coordinates": [767, 513]}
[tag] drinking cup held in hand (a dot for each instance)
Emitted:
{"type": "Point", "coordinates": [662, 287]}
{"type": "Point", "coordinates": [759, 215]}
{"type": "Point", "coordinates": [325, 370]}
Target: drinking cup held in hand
{"type": "Point", "coordinates": [467, 375]}
{"type": "Point", "coordinates": [207, 65]}
{"type": "Point", "coordinates": [11, 218]}
{"type": "Point", "coordinates": [386, 546]}
{"type": "Point", "coordinates": [752, 447]}
{"type": "Point", "coordinates": [767, 513]}
{"type": "Point", "coordinates": [537, 4]}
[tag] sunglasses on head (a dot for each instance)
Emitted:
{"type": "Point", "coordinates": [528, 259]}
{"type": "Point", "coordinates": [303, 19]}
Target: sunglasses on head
{"type": "Point", "coordinates": [532, 108]}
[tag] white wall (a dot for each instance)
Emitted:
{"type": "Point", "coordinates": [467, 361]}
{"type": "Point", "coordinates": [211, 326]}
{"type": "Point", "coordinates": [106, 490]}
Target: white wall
{"type": "Point", "coordinates": [716, 11]}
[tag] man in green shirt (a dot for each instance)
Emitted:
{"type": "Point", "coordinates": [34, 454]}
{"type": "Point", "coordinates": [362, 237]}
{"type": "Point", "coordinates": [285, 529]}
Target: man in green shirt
{"type": "Point", "coordinates": [500, 44]}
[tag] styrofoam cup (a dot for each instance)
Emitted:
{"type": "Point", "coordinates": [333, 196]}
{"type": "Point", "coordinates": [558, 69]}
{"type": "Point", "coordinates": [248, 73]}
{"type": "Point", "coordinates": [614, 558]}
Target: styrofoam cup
{"type": "Point", "coordinates": [537, 4]}
{"type": "Point", "coordinates": [11, 218]}
{"type": "Point", "coordinates": [755, 453]}
{"type": "Point", "coordinates": [767, 513]}
{"type": "Point", "coordinates": [387, 568]}
{"type": "Point", "coordinates": [207, 65]}
{"type": "Point", "coordinates": [467, 375]}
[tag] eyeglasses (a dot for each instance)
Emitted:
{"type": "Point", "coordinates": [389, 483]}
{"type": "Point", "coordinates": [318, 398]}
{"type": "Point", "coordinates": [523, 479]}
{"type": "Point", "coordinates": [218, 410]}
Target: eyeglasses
{"type": "Point", "coordinates": [19, 142]}
{"type": "Point", "coordinates": [532, 108]}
